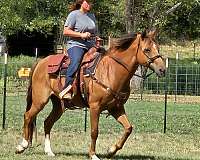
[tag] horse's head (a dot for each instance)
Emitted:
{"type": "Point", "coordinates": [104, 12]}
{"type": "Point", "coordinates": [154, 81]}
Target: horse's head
{"type": "Point", "coordinates": [148, 53]}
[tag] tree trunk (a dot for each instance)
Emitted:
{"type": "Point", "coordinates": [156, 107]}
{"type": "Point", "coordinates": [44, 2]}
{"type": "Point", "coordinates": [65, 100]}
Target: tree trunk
{"type": "Point", "coordinates": [133, 8]}
{"type": "Point", "coordinates": [129, 15]}
{"type": "Point", "coordinates": [136, 14]}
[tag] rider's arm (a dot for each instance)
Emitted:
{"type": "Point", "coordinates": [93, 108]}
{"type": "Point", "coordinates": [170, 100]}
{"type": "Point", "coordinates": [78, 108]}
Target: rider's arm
{"type": "Point", "coordinates": [71, 33]}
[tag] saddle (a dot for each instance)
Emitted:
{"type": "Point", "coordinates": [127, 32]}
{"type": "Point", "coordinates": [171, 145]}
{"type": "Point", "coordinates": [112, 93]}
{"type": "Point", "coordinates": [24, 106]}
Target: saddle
{"type": "Point", "coordinates": [57, 62]}
{"type": "Point", "coordinates": [57, 65]}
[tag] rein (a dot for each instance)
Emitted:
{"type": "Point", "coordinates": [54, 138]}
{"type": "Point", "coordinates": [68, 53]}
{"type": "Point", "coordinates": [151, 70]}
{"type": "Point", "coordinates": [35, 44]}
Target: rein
{"type": "Point", "coordinates": [120, 62]}
{"type": "Point", "coordinates": [144, 76]}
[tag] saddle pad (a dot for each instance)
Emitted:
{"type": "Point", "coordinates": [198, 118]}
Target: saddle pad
{"type": "Point", "coordinates": [54, 62]}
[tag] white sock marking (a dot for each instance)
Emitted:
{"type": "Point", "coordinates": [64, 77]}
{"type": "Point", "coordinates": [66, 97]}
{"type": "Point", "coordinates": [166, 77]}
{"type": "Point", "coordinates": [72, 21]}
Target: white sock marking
{"type": "Point", "coordinates": [47, 146]}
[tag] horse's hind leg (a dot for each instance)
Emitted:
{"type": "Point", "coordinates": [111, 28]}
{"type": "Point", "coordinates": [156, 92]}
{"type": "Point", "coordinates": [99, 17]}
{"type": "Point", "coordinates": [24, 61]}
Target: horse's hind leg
{"type": "Point", "coordinates": [55, 114]}
{"type": "Point", "coordinates": [120, 115]}
{"type": "Point", "coordinates": [31, 129]}
{"type": "Point", "coordinates": [28, 125]}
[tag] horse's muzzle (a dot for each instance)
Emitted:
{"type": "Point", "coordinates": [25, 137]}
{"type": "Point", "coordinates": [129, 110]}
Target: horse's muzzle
{"type": "Point", "coordinates": [160, 72]}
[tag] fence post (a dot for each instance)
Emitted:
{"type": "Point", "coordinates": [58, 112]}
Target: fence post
{"type": "Point", "coordinates": [4, 87]}
{"type": "Point", "coordinates": [194, 55]}
{"type": "Point", "coordinates": [85, 126]}
{"type": "Point", "coordinates": [36, 53]}
{"type": "Point", "coordinates": [166, 90]}
{"type": "Point", "coordinates": [177, 56]}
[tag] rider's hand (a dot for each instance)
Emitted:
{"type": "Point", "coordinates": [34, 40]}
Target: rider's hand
{"type": "Point", "coordinates": [98, 38]}
{"type": "Point", "coordinates": [85, 35]}
{"type": "Point", "coordinates": [98, 41]}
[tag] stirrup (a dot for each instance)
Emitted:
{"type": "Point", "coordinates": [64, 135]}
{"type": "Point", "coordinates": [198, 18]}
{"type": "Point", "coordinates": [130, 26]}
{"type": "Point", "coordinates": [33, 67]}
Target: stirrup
{"type": "Point", "coordinates": [67, 96]}
{"type": "Point", "coordinates": [65, 91]}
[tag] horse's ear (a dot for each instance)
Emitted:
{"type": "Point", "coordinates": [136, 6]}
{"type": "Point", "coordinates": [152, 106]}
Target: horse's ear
{"type": "Point", "coordinates": [153, 33]}
{"type": "Point", "coordinates": [144, 34]}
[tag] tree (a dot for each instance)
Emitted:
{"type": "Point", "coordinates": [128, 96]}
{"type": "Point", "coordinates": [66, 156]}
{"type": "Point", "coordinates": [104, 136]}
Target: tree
{"type": "Point", "coordinates": [114, 17]}
{"type": "Point", "coordinates": [31, 15]}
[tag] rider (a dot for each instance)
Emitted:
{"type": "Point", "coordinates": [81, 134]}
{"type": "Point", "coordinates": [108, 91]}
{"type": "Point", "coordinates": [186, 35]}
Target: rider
{"type": "Point", "coordinates": [79, 27]}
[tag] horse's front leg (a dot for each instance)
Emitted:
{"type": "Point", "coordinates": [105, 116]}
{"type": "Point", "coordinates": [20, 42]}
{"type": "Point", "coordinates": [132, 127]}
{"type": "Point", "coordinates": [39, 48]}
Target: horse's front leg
{"type": "Point", "coordinates": [120, 115]}
{"type": "Point", "coordinates": [94, 121]}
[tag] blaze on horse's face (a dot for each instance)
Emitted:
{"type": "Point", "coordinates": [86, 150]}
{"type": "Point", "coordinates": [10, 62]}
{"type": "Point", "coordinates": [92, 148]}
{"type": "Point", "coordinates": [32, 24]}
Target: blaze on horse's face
{"type": "Point", "coordinates": [148, 53]}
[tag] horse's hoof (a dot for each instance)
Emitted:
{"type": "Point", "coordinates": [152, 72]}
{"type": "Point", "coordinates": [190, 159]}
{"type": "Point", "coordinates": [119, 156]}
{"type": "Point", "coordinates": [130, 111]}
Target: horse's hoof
{"type": "Point", "coordinates": [18, 152]}
{"type": "Point", "coordinates": [30, 145]}
{"type": "Point", "coordinates": [94, 157]}
{"type": "Point", "coordinates": [19, 149]}
{"type": "Point", "coordinates": [22, 146]}
{"type": "Point", "coordinates": [50, 154]}
{"type": "Point", "coordinates": [111, 152]}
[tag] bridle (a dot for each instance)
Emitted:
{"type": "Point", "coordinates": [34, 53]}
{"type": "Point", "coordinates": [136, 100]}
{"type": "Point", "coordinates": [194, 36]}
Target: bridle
{"type": "Point", "coordinates": [146, 64]}
{"type": "Point", "coordinates": [150, 59]}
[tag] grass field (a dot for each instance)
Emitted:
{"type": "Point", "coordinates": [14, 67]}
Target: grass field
{"type": "Point", "coordinates": [147, 142]}
{"type": "Point", "coordinates": [185, 50]}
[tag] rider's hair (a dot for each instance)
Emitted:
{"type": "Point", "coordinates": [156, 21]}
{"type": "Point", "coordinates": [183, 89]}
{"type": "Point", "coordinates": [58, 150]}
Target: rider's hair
{"type": "Point", "coordinates": [77, 4]}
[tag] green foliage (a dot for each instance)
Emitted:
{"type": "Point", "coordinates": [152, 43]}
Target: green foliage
{"type": "Point", "coordinates": [184, 22]}
{"type": "Point", "coordinates": [31, 15]}
{"type": "Point", "coordinates": [43, 15]}
{"type": "Point", "coordinates": [110, 17]}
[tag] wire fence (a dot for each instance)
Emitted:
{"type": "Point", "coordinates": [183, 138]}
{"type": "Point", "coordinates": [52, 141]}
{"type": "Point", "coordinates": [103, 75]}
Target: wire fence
{"type": "Point", "coordinates": [182, 84]}
{"type": "Point", "coordinates": [181, 80]}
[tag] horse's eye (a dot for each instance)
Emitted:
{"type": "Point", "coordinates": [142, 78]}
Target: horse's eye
{"type": "Point", "coordinates": [147, 50]}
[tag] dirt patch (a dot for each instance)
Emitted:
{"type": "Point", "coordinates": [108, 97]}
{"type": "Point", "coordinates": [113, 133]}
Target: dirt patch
{"type": "Point", "coordinates": [170, 98]}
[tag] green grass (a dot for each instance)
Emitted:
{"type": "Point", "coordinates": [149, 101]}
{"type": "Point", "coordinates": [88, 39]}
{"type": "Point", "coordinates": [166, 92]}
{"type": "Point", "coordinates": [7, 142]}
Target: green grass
{"type": "Point", "coordinates": [14, 64]}
{"type": "Point", "coordinates": [69, 141]}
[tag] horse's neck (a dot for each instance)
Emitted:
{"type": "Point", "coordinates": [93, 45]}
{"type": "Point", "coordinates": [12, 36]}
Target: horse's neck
{"type": "Point", "coordinates": [116, 75]}
{"type": "Point", "coordinates": [128, 57]}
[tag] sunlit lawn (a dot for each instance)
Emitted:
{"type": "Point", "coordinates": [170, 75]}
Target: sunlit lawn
{"type": "Point", "coordinates": [70, 142]}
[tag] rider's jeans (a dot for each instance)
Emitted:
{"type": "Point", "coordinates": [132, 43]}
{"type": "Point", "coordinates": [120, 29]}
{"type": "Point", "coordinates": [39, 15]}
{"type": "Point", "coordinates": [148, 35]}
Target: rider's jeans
{"type": "Point", "coordinates": [76, 55]}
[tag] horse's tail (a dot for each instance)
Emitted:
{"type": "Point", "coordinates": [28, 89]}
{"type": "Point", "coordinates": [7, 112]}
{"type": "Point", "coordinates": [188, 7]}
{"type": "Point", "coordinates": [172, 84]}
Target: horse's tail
{"type": "Point", "coordinates": [29, 92]}
{"type": "Point", "coordinates": [29, 102]}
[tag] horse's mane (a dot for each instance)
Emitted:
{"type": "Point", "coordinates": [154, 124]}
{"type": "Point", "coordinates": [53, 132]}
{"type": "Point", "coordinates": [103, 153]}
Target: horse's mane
{"type": "Point", "coordinates": [123, 42]}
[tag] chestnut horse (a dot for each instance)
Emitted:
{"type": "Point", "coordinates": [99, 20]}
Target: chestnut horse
{"type": "Point", "coordinates": [108, 89]}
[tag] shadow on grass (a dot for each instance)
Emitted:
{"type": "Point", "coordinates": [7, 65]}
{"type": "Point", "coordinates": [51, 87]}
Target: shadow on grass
{"type": "Point", "coordinates": [132, 157]}
{"type": "Point", "coordinates": [143, 157]}
{"type": "Point", "coordinates": [118, 157]}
